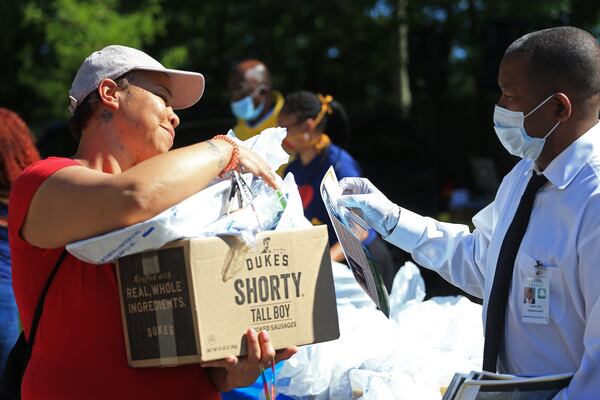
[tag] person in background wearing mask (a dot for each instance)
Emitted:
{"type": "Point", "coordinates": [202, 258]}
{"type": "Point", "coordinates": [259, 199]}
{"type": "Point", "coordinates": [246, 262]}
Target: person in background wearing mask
{"type": "Point", "coordinates": [17, 151]}
{"type": "Point", "coordinates": [543, 228]}
{"type": "Point", "coordinates": [253, 102]}
{"type": "Point", "coordinates": [307, 116]}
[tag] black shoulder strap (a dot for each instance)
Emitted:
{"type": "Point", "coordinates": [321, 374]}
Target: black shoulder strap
{"type": "Point", "coordinates": [40, 306]}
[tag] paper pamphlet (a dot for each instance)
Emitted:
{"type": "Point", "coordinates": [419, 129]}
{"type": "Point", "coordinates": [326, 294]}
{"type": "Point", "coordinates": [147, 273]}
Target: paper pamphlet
{"type": "Point", "coordinates": [349, 228]}
{"type": "Point", "coordinates": [485, 385]}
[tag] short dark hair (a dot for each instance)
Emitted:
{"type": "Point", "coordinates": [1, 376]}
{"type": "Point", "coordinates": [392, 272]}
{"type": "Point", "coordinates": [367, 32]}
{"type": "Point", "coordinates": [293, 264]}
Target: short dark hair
{"type": "Point", "coordinates": [304, 105]}
{"type": "Point", "coordinates": [563, 59]}
{"type": "Point", "coordinates": [85, 110]}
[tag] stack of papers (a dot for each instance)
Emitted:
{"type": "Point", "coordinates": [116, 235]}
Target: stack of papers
{"type": "Point", "coordinates": [486, 385]}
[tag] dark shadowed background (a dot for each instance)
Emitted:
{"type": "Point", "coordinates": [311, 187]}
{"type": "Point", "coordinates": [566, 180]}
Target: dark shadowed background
{"type": "Point", "coordinates": [418, 77]}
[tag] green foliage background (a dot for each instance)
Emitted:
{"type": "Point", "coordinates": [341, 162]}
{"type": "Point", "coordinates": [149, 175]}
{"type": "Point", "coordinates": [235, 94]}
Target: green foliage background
{"type": "Point", "coordinates": [346, 48]}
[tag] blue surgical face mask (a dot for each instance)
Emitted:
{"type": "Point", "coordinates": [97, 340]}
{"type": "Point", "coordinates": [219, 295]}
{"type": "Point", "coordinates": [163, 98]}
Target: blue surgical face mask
{"type": "Point", "coordinates": [245, 109]}
{"type": "Point", "coordinates": [510, 129]}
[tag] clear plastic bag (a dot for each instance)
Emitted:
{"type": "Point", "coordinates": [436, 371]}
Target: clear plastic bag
{"type": "Point", "coordinates": [409, 356]}
{"type": "Point", "coordinates": [191, 217]}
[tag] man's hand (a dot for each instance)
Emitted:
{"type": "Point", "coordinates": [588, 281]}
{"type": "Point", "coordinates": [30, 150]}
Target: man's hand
{"type": "Point", "coordinates": [372, 205]}
{"type": "Point", "coordinates": [232, 372]}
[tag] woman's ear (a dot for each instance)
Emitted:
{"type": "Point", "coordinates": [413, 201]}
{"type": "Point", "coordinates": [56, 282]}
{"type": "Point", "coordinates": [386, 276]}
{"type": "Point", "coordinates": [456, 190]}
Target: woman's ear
{"type": "Point", "coordinates": [564, 107]}
{"type": "Point", "coordinates": [310, 125]}
{"type": "Point", "coordinates": [107, 91]}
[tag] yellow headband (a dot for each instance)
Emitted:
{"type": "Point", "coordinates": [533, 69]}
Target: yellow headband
{"type": "Point", "coordinates": [325, 107]}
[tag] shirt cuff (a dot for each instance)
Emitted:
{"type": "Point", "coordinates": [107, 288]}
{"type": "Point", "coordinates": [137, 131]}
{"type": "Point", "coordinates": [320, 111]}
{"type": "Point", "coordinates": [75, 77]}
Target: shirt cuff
{"type": "Point", "coordinates": [408, 230]}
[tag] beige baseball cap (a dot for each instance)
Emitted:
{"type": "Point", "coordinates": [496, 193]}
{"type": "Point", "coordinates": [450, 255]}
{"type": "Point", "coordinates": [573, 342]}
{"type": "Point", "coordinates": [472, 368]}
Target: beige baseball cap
{"type": "Point", "coordinates": [115, 60]}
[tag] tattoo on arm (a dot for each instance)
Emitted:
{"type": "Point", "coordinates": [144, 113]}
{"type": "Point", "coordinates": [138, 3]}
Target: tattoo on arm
{"type": "Point", "coordinates": [105, 116]}
{"type": "Point", "coordinates": [215, 150]}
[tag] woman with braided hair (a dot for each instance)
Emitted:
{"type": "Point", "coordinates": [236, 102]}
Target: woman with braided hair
{"type": "Point", "coordinates": [307, 116]}
{"type": "Point", "coordinates": [17, 151]}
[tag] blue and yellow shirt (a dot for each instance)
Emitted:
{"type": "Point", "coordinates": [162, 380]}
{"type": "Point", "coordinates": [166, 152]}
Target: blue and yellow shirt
{"type": "Point", "coordinates": [308, 178]}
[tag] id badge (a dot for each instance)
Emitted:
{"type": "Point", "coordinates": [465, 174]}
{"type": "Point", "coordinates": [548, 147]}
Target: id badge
{"type": "Point", "coordinates": [535, 301]}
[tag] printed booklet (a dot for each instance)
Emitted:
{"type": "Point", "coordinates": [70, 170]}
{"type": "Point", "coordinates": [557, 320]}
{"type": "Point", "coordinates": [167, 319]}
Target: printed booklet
{"type": "Point", "coordinates": [349, 229]}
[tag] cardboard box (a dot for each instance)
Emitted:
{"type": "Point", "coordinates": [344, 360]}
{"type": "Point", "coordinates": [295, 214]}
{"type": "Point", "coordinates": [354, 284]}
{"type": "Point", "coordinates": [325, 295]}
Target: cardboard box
{"type": "Point", "coordinates": [193, 300]}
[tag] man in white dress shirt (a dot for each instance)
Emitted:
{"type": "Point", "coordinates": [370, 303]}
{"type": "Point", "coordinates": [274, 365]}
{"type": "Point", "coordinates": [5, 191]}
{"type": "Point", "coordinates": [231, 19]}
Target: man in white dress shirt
{"type": "Point", "coordinates": [548, 115]}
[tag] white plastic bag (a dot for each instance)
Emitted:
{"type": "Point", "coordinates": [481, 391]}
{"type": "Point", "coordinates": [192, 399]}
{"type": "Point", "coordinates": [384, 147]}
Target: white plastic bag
{"type": "Point", "coordinates": [409, 356]}
{"type": "Point", "coordinates": [190, 217]}
{"type": "Point", "coordinates": [408, 288]}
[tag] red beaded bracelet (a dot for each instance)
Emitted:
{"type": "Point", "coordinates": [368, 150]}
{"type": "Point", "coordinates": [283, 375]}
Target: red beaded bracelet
{"type": "Point", "coordinates": [234, 161]}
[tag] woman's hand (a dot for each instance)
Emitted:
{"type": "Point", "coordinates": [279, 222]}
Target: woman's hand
{"type": "Point", "coordinates": [251, 162]}
{"type": "Point", "coordinates": [232, 372]}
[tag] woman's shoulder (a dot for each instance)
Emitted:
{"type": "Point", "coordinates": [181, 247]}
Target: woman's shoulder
{"type": "Point", "coordinates": [26, 185]}
{"type": "Point", "coordinates": [339, 152]}
{"type": "Point", "coordinates": [51, 163]}
{"type": "Point", "coordinates": [343, 162]}
{"type": "Point", "coordinates": [38, 171]}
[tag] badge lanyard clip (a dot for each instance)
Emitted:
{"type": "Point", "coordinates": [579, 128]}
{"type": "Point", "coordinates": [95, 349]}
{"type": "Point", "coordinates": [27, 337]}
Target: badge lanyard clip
{"type": "Point", "coordinates": [539, 268]}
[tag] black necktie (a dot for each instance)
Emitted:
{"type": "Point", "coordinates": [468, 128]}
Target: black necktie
{"type": "Point", "coordinates": [496, 311]}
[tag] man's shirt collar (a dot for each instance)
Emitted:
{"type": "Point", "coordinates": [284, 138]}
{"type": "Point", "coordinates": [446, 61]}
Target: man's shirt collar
{"type": "Point", "coordinates": [562, 170]}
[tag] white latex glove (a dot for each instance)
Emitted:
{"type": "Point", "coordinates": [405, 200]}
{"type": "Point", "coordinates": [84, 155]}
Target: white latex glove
{"type": "Point", "coordinates": [372, 205]}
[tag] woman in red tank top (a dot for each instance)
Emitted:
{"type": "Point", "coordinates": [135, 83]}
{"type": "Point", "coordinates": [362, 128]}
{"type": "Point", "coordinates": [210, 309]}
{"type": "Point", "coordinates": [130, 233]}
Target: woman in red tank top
{"type": "Point", "coordinates": [122, 102]}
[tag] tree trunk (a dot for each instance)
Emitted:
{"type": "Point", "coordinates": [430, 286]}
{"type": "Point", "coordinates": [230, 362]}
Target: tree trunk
{"type": "Point", "coordinates": [403, 97]}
